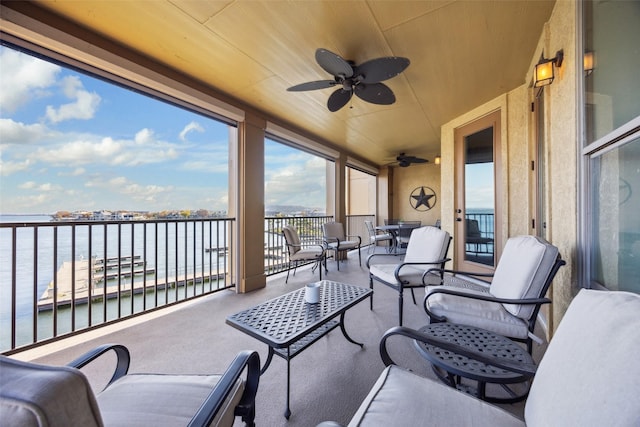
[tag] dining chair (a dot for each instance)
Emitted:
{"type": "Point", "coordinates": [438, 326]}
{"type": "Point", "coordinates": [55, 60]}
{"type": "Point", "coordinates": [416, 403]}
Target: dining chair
{"type": "Point", "coordinates": [427, 247]}
{"type": "Point", "coordinates": [299, 252]}
{"type": "Point", "coordinates": [340, 243]}
{"type": "Point", "coordinates": [376, 236]}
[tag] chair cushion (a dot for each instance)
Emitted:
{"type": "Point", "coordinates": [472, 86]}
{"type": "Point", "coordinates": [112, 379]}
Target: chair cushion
{"type": "Point", "coordinates": [523, 268]}
{"type": "Point", "coordinates": [482, 314]}
{"type": "Point", "coordinates": [590, 375]}
{"type": "Point", "coordinates": [39, 395]}
{"type": "Point", "coordinates": [292, 238]}
{"type": "Point", "coordinates": [345, 244]}
{"type": "Point", "coordinates": [401, 398]}
{"type": "Point", "coordinates": [385, 272]}
{"type": "Point", "coordinates": [306, 254]}
{"type": "Point", "coordinates": [333, 230]}
{"type": "Point", "coordinates": [427, 244]}
{"type": "Point", "coordinates": [162, 400]}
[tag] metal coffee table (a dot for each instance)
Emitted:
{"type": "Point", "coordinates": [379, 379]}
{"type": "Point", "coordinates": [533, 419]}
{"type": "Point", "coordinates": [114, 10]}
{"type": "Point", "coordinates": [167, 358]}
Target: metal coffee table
{"type": "Point", "coordinates": [288, 324]}
{"type": "Point", "coordinates": [450, 366]}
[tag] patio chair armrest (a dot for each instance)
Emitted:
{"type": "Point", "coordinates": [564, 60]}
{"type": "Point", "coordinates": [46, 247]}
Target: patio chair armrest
{"type": "Point", "coordinates": [354, 237]}
{"type": "Point", "coordinates": [516, 367]}
{"type": "Point", "coordinates": [396, 273]}
{"type": "Point", "coordinates": [248, 361]}
{"type": "Point", "coordinates": [484, 297]}
{"type": "Point", "coordinates": [463, 274]}
{"type": "Point", "coordinates": [377, 255]}
{"type": "Point", "coordinates": [122, 362]}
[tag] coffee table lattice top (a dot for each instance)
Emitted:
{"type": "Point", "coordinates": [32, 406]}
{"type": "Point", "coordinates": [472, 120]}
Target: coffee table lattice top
{"type": "Point", "coordinates": [286, 316]}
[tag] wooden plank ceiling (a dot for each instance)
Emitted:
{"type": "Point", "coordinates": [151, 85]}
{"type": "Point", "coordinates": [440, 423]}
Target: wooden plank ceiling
{"type": "Point", "coordinates": [463, 53]}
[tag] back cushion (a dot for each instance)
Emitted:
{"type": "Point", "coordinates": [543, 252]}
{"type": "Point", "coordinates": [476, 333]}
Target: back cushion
{"type": "Point", "coordinates": [589, 375]}
{"type": "Point", "coordinates": [40, 395]}
{"type": "Point", "coordinates": [524, 265]}
{"type": "Point", "coordinates": [334, 229]}
{"type": "Point", "coordinates": [291, 236]}
{"type": "Point", "coordinates": [427, 244]}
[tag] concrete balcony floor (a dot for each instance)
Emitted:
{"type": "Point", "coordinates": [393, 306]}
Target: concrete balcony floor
{"type": "Point", "coordinates": [328, 380]}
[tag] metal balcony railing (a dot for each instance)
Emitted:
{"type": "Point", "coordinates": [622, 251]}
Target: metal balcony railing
{"type": "Point", "coordinates": [308, 227]}
{"type": "Point", "coordinates": [61, 278]}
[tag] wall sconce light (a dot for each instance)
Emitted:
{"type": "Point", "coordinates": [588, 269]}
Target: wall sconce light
{"type": "Point", "coordinates": [543, 73]}
{"type": "Point", "coordinates": [437, 160]}
{"type": "Point", "coordinates": [588, 63]}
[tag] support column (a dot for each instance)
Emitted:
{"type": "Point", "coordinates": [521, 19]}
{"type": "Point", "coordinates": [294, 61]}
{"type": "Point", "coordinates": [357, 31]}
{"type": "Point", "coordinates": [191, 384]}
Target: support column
{"type": "Point", "coordinates": [250, 204]}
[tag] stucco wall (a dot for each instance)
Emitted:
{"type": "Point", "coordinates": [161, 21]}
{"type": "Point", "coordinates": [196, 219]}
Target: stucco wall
{"type": "Point", "coordinates": [518, 142]}
{"type": "Point", "coordinates": [405, 180]}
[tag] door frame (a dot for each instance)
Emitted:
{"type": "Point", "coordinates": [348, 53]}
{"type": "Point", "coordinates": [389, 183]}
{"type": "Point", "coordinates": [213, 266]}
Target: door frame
{"type": "Point", "coordinates": [492, 119]}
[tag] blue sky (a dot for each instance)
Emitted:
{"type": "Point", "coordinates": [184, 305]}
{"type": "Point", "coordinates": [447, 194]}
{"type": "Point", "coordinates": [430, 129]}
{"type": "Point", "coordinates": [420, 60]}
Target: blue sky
{"type": "Point", "coordinates": [72, 142]}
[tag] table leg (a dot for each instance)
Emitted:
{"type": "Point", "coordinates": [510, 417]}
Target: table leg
{"type": "Point", "coordinates": [287, 412]}
{"type": "Point", "coordinates": [344, 332]}
{"type": "Point", "coordinates": [268, 361]}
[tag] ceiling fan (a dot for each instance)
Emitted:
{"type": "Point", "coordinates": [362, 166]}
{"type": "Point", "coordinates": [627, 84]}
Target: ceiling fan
{"type": "Point", "coordinates": [406, 161]}
{"type": "Point", "coordinates": [362, 80]}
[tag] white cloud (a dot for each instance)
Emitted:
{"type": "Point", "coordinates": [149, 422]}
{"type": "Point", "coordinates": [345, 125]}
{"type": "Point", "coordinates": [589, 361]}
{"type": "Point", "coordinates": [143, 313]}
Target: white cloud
{"type": "Point", "coordinates": [193, 126]}
{"type": "Point", "coordinates": [10, 167]}
{"type": "Point", "coordinates": [27, 185]}
{"type": "Point", "coordinates": [297, 184]}
{"type": "Point", "coordinates": [19, 133]}
{"type": "Point", "coordinates": [23, 77]}
{"type": "Point", "coordinates": [89, 149]}
{"type": "Point", "coordinates": [83, 107]}
{"type": "Point", "coordinates": [144, 136]}
{"type": "Point", "coordinates": [125, 188]}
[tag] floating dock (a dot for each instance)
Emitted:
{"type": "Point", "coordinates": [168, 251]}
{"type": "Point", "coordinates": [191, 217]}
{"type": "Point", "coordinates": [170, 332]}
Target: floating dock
{"type": "Point", "coordinates": [72, 281]}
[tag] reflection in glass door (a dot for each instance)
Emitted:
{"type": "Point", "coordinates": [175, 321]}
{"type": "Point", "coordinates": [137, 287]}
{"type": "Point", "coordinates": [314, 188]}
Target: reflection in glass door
{"type": "Point", "coordinates": [476, 148]}
{"type": "Point", "coordinates": [479, 197]}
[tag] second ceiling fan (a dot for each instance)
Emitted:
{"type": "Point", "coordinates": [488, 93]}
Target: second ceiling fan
{"type": "Point", "coordinates": [363, 80]}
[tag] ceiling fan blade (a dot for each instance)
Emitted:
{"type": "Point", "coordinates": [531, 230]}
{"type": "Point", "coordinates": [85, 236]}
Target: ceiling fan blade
{"type": "Point", "coordinates": [319, 84]}
{"type": "Point", "coordinates": [333, 63]}
{"type": "Point", "coordinates": [338, 99]}
{"type": "Point", "coordinates": [380, 69]}
{"type": "Point", "coordinates": [418, 160]}
{"type": "Point", "coordinates": [377, 93]}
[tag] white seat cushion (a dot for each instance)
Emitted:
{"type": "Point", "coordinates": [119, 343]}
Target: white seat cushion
{"type": "Point", "coordinates": [524, 265]}
{"type": "Point", "coordinates": [400, 398]}
{"type": "Point", "coordinates": [482, 314]}
{"type": "Point", "coordinates": [590, 375]}
{"type": "Point", "coordinates": [152, 400]}
{"type": "Point", "coordinates": [306, 254]}
{"type": "Point", "coordinates": [385, 272]}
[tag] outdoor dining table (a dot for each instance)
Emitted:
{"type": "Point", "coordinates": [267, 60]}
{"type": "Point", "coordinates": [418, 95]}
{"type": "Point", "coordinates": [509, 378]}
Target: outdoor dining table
{"type": "Point", "coordinates": [394, 229]}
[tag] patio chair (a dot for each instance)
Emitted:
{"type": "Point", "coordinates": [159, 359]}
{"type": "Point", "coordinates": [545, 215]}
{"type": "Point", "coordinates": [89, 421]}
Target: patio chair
{"type": "Point", "coordinates": [340, 243]}
{"type": "Point", "coordinates": [427, 247]}
{"type": "Point", "coordinates": [376, 236]}
{"type": "Point", "coordinates": [509, 304]}
{"type": "Point", "coordinates": [587, 377]}
{"type": "Point", "coordinates": [40, 395]}
{"type": "Point", "coordinates": [405, 228]}
{"type": "Point", "coordinates": [300, 252]}
{"type": "Point", "coordinates": [474, 242]}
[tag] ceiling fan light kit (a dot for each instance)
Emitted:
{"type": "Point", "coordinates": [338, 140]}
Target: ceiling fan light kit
{"type": "Point", "coordinates": [363, 80]}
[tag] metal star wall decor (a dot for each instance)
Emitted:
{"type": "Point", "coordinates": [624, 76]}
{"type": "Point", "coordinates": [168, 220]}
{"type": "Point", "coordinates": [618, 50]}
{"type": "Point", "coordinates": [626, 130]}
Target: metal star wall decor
{"type": "Point", "coordinates": [422, 198]}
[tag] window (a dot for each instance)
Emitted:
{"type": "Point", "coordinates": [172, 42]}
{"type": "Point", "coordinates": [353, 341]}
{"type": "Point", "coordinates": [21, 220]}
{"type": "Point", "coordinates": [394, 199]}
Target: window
{"type": "Point", "coordinates": [295, 181]}
{"type": "Point", "coordinates": [74, 143]}
{"type": "Point", "coordinates": [611, 149]}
